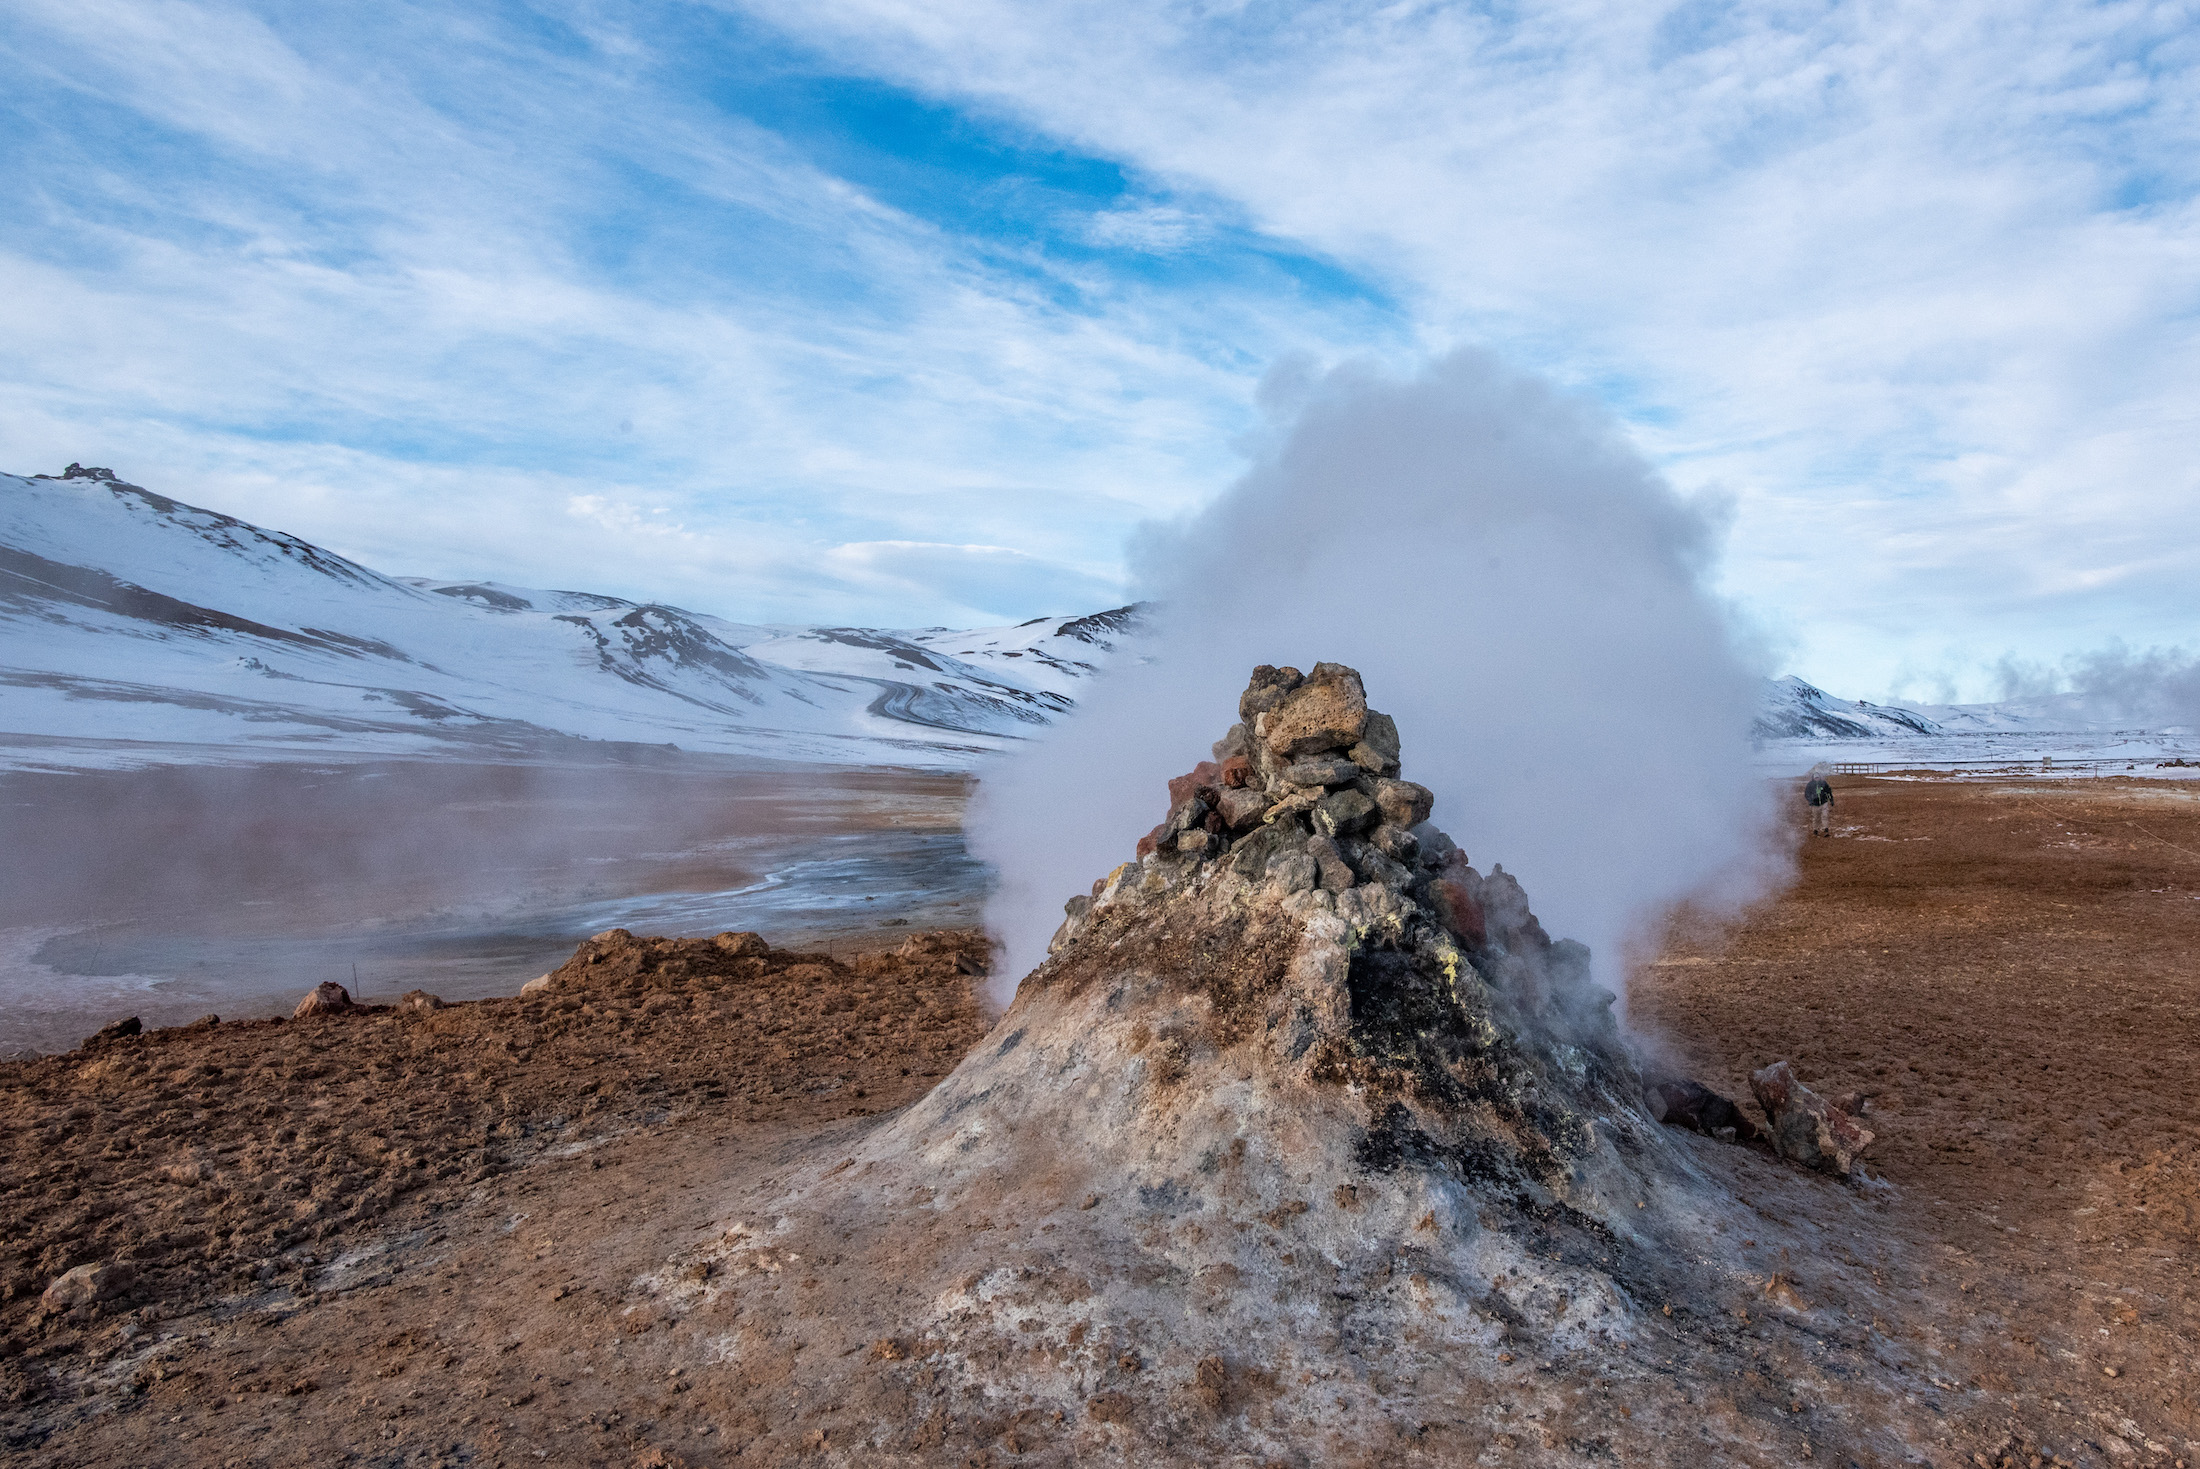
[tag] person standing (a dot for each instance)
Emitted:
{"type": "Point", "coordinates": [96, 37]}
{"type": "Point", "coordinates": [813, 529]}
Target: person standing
{"type": "Point", "coordinates": [1818, 795]}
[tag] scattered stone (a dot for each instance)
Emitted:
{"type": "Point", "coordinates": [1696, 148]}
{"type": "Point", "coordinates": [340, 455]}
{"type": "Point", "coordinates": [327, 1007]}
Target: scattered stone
{"type": "Point", "coordinates": [540, 984]}
{"type": "Point", "coordinates": [1806, 1128]}
{"type": "Point", "coordinates": [325, 998]}
{"type": "Point", "coordinates": [1237, 771]}
{"type": "Point", "coordinates": [118, 1030]}
{"type": "Point", "coordinates": [1235, 745]}
{"type": "Point", "coordinates": [419, 1000]}
{"type": "Point", "coordinates": [1193, 843]}
{"type": "Point", "coordinates": [86, 1284]}
{"type": "Point", "coordinates": [742, 945]}
{"type": "Point", "coordinates": [1326, 712]}
{"type": "Point", "coordinates": [1693, 1105]}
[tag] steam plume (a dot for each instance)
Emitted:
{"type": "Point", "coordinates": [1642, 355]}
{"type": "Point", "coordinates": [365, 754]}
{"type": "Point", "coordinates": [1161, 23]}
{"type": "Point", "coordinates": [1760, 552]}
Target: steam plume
{"type": "Point", "coordinates": [1522, 593]}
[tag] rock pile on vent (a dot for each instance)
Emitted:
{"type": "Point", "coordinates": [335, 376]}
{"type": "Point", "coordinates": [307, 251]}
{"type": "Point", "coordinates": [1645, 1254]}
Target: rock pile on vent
{"type": "Point", "coordinates": [1305, 1134]}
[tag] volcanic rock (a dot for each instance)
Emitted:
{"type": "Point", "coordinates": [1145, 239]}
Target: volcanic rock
{"type": "Point", "coordinates": [1693, 1105]}
{"type": "Point", "coordinates": [1378, 749]}
{"type": "Point", "coordinates": [1265, 692]}
{"type": "Point", "coordinates": [115, 1031]}
{"type": "Point", "coordinates": [325, 998]}
{"type": "Point", "coordinates": [1326, 712]}
{"type": "Point", "coordinates": [1323, 770]}
{"type": "Point", "coordinates": [1806, 1128]}
{"type": "Point", "coordinates": [86, 1284]}
{"type": "Point", "coordinates": [1340, 813]}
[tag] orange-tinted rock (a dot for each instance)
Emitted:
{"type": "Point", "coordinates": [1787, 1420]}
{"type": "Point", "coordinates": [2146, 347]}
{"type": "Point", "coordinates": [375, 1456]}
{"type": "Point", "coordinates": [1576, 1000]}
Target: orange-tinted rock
{"type": "Point", "coordinates": [1327, 712]}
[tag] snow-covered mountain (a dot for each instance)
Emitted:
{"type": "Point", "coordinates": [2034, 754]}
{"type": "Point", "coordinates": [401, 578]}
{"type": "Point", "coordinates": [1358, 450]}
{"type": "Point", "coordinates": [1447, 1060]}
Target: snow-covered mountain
{"type": "Point", "coordinates": [1789, 708]}
{"type": "Point", "coordinates": [128, 618]}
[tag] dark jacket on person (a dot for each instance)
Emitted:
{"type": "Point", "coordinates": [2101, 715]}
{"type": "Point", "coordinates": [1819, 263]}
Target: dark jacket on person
{"type": "Point", "coordinates": [1818, 793]}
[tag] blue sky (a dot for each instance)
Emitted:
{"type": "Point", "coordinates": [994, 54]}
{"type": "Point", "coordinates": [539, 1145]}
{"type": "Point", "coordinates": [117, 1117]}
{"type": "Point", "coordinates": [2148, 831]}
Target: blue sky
{"type": "Point", "coordinates": [889, 313]}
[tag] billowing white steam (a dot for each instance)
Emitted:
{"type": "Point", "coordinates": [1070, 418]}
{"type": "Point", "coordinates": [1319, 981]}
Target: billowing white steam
{"type": "Point", "coordinates": [1522, 593]}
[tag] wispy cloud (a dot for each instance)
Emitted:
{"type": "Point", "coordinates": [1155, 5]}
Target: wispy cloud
{"type": "Point", "coordinates": [1916, 287]}
{"type": "Point", "coordinates": [384, 279]}
{"type": "Point", "coordinates": [1919, 284]}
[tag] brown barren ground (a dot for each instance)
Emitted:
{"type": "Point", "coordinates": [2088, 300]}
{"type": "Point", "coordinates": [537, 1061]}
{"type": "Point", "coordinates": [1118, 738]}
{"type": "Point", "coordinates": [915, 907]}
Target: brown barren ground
{"type": "Point", "coordinates": [414, 1238]}
{"type": "Point", "coordinates": [2010, 971]}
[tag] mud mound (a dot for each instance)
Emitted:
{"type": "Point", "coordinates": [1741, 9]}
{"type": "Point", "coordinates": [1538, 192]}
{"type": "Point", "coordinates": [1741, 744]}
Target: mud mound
{"type": "Point", "coordinates": [1302, 1146]}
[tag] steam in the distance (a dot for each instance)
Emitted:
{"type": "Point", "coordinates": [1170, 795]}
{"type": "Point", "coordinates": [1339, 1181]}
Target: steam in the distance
{"type": "Point", "coordinates": [1522, 593]}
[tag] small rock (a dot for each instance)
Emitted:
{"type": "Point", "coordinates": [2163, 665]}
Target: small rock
{"type": "Point", "coordinates": [1455, 908]}
{"type": "Point", "coordinates": [1335, 873]}
{"type": "Point", "coordinates": [1403, 803]}
{"type": "Point", "coordinates": [1693, 1105]}
{"type": "Point", "coordinates": [1396, 843]}
{"type": "Point", "coordinates": [1341, 813]}
{"type": "Point", "coordinates": [1806, 1128]}
{"type": "Point", "coordinates": [540, 984]}
{"type": "Point", "coordinates": [1372, 866]}
{"type": "Point", "coordinates": [1322, 770]}
{"type": "Point", "coordinates": [419, 1000]}
{"type": "Point", "coordinates": [325, 998]}
{"type": "Point", "coordinates": [1194, 843]}
{"type": "Point", "coordinates": [1077, 907]}
{"type": "Point", "coordinates": [1292, 872]}
{"type": "Point", "coordinates": [742, 945]}
{"type": "Point", "coordinates": [1236, 745]}
{"type": "Point", "coordinates": [1205, 776]}
{"type": "Point", "coordinates": [1241, 809]}
{"type": "Point", "coordinates": [119, 1030]}
{"type": "Point", "coordinates": [1237, 771]}
{"type": "Point", "coordinates": [1267, 689]}
{"type": "Point", "coordinates": [86, 1284]}
{"type": "Point", "coordinates": [1326, 712]}
{"type": "Point", "coordinates": [1378, 749]}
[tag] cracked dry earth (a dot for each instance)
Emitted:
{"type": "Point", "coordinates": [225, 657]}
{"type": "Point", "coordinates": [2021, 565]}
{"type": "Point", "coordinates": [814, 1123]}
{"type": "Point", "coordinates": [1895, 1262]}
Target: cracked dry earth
{"type": "Point", "coordinates": [499, 1233]}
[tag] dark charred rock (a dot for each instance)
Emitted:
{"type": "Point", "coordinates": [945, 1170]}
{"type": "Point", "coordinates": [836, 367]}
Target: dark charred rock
{"type": "Point", "coordinates": [1698, 1108]}
{"type": "Point", "coordinates": [1340, 813]}
{"type": "Point", "coordinates": [1322, 770]}
{"type": "Point", "coordinates": [1266, 691]}
{"type": "Point", "coordinates": [1335, 873]}
{"type": "Point", "coordinates": [116, 1030]}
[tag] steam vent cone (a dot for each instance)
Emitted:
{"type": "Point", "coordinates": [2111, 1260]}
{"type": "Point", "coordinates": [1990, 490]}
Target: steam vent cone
{"type": "Point", "coordinates": [1305, 1142]}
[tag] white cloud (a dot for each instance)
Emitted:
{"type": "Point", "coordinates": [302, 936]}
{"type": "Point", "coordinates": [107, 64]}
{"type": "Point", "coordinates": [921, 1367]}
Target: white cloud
{"type": "Point", "coordinates": [1918, 282]}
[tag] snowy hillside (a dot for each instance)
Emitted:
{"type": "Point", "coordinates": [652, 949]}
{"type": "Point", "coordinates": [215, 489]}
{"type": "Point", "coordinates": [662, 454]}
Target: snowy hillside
{"type": "Point", "coordinates": [130, 619]}
{"type": "Point", "coordinates": [1792, 709]}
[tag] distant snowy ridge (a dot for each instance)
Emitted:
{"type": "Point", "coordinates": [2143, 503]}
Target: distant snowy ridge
{"type": "Point", "coordinates": [127, 617]}
{"type": "Point", "coordinates": [1789, 709]}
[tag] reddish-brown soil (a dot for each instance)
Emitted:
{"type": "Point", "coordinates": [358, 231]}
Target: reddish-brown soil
{"type": "Point", "coordinates": [380, 1235]}
{"type": "Point", "coordinates": [415, 1238]}
{"type": "Point", "coordinates": [2012, 971]}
